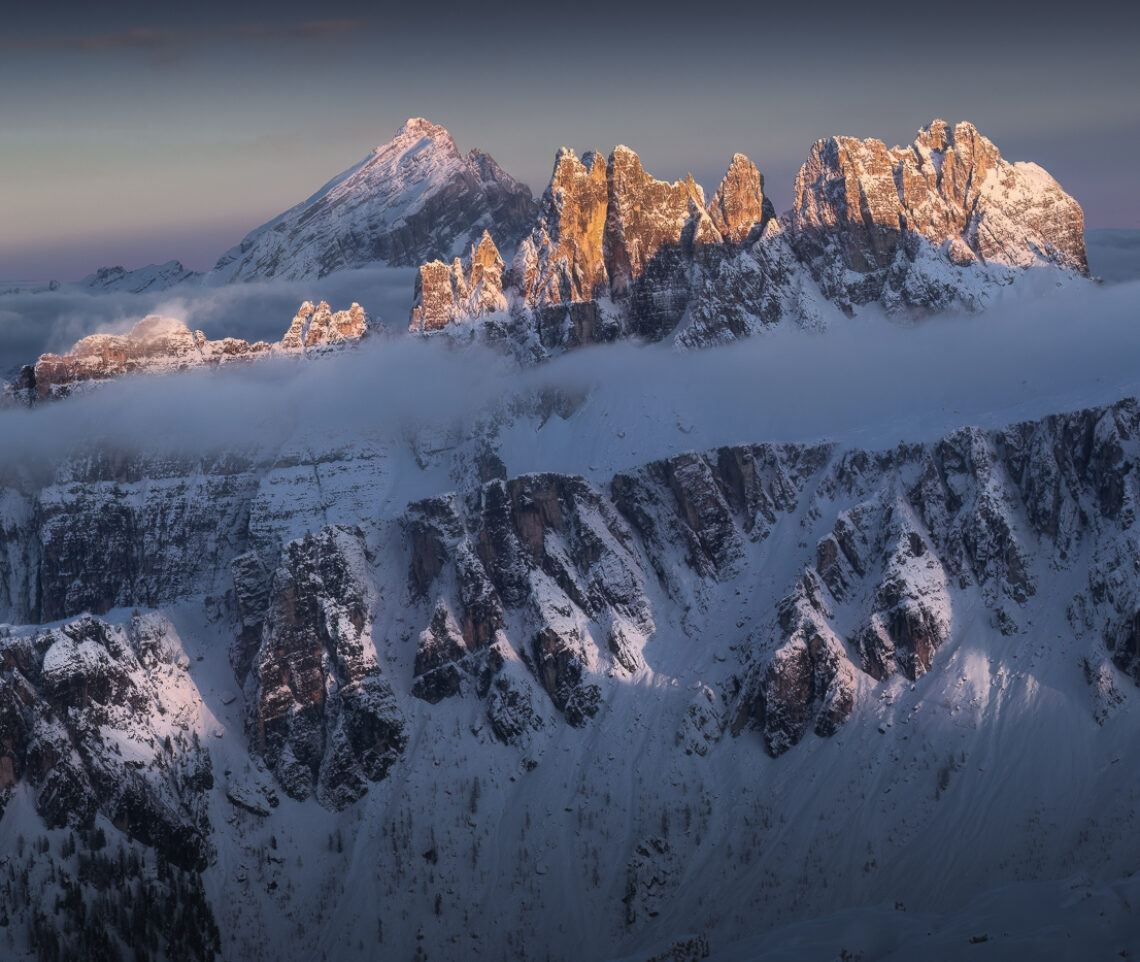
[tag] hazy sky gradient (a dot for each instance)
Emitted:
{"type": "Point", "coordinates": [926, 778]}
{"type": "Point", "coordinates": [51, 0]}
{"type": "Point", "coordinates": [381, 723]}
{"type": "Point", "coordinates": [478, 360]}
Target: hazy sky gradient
{"type": "Point", "coordinates": [157, 132]}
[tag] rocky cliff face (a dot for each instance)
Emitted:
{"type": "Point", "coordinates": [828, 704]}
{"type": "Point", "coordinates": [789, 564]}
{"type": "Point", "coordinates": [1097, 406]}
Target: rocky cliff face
{"type": "Point", "coordinates": [545, 583]}
{"type": "Point", "coordinates": [537, 571]}
{"type": "Point", "coordinates": [943, 222]}
{"type": "Point", "coordinates": [608, 232]}
{"type": "Point", "coordinates": [904, 534]}
{"type": "Point", "coordinates": [864, 208]}
{"type": "Point", "coordinates": [563, 261]}
{"type": "Point", "coordinates": [318, 326]}
{"type": "Point", "coordinates": [473, 287]}
{"type": "Point", "coordinates": [321, 714]}
{"type": "Point", "coordinates": [739, 206]}
{"type": "Point", "coordinates": [412, 199]}
{"type": "Point", "coordinates": [94, 717]}
{"type": "Point", "coordinates": [154, 344]}
{"type": "Point", "coordinates": [764, 602]}
{"type": "Point", "coordinates": [159, 345]}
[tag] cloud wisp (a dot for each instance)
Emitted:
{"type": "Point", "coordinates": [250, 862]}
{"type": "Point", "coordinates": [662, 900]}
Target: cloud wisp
{"type": "Point", "coordinates": [167, 42]}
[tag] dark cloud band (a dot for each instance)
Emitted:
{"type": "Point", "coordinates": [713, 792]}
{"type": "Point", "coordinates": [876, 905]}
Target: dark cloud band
{"type": "Point", "coordinates": [159, 39]}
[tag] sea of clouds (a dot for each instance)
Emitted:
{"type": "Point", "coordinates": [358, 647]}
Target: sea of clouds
{"type": "Point", "coordinates": [867, 381]}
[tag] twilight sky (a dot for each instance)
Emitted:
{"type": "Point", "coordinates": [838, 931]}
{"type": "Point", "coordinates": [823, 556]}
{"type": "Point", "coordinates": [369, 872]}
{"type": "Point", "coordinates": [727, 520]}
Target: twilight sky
{"type": "Point", "coordinates": [152, 131]}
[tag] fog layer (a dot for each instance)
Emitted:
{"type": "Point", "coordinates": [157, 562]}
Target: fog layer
{"type": "Point", "coordinates": [867, 382]}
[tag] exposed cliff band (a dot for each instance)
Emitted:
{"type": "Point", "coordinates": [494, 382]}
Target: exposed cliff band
{"type": "Point", "coordinates": [616, 252]}
{"type": "Point", "coordinates": [158, 344]}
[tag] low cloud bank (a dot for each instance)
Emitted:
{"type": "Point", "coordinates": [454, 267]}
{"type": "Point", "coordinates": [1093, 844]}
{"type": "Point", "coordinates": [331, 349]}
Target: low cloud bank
{"type": "Point", "coordinates": [868, 382]}
{"type": "Point", "coordinates": [31, 324]}
{"type": "Point", "coordinates": [1114, 254]}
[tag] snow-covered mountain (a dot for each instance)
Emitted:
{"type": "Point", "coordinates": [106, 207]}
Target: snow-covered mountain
{"type": "Point", "coordinates": [153, 277]}
{"type": "Point", "coordinates": [549, 670]}
{"type": "Point", "coordinates": [720, 691]}
{"type": "Point", "coordinates": [413, 198]}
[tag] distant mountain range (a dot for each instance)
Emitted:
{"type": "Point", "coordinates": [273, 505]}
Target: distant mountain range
{"type": "Point", "coordinates": [610, 252]}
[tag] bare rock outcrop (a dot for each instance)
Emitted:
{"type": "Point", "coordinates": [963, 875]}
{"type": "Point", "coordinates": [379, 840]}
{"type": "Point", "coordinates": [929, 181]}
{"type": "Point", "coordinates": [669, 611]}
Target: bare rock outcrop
{"type": "Point", "coordinates": [563, 260]}
{"type": "Point", "coordinates": [739, 206]}
{"type": "Point", "coordinates": [702, 510]}
{"type": "Point", "coordinates": [163, 345]}
{"type": "Point", "coordinates": [645, 218]}
{"type": "Point", "coordinates": [542, 576]}
{"type": "Point", "coordinates": [94, 717]}
{"type": "Point", "coordinates": [616, 252]}
{"type": "Point", "coordinates": [466, 288]}
{"type": "Point", "coordinates": [317, 326]}
{"type": "Point", "coordinates": [322, 715]}
{"type": "Point", "coordinates": [155, 343]}
{"type": "Point", "coordinates": [862, 207]}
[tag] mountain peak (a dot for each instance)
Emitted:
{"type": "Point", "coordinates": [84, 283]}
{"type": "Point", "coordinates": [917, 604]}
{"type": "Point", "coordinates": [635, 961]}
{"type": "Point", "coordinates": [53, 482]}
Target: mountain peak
{"type": "Point", "coordinates": [951, 187]}
{"type": "Point", "coordinates": [153, 277]}
{"type": "Point", "coordinates": [418, 127]}
{"type": "Point", "coordinates": [918, 228]}
{"type": "Point", "coordinates": [739, 204]}
{"type": "Point", "coordinates": [412, 199]}
{"type": "Point", "coordinates": [939, 135]}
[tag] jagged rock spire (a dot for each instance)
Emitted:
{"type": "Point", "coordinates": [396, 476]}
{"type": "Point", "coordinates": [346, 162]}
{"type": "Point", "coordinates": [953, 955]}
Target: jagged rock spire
{"type": "Point", "coordinates": [739, 204]}
{"type": "Point", "coordinates": [470, 287]}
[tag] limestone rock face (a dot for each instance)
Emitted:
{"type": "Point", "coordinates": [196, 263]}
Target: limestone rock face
{"type": "Point", "coordinates": [94, 716]}
{"type": "Point", "coordinates": [645, 219]}
{"type": "Point", "coordinates": [860, 206]}
{"type": "Point", "coordinates": [413, 199]}
{"type": "Point", "coordinates": [605, 230]}
{"type": "Point", "coordinates": [746, 290]}
{"type": "Point", "coordinates": [809, 683]}
{"type": "Point", "coordinates": [317, 326]}
{"type": "Point", "coordinates": [563, 260]}
{"type": "Point", "coordinates": [441, 648]}
{"type": "Point", "coordinates": [652, 230]}
{"type": "Point", "coordinates": [909, 610]}
{"type": "Point", "coordinates": [543, 552]}
{"type": "Point", "coordinates": [162, 345]}
{"type": "Point", "coordinates": [321, 713]}
{"type": "Point", "coordinates": [154, 343]}
{"type": "Point", "coordinates": [703, 510]}
{"type": "Point", "coordinates": [739, 206]}
{"type": "Point", "coordinates": [469, 288]}
{"type": "Point", "coordinates": [110, 531]}
{"type": "Point", "coordinates": [944, 222]}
